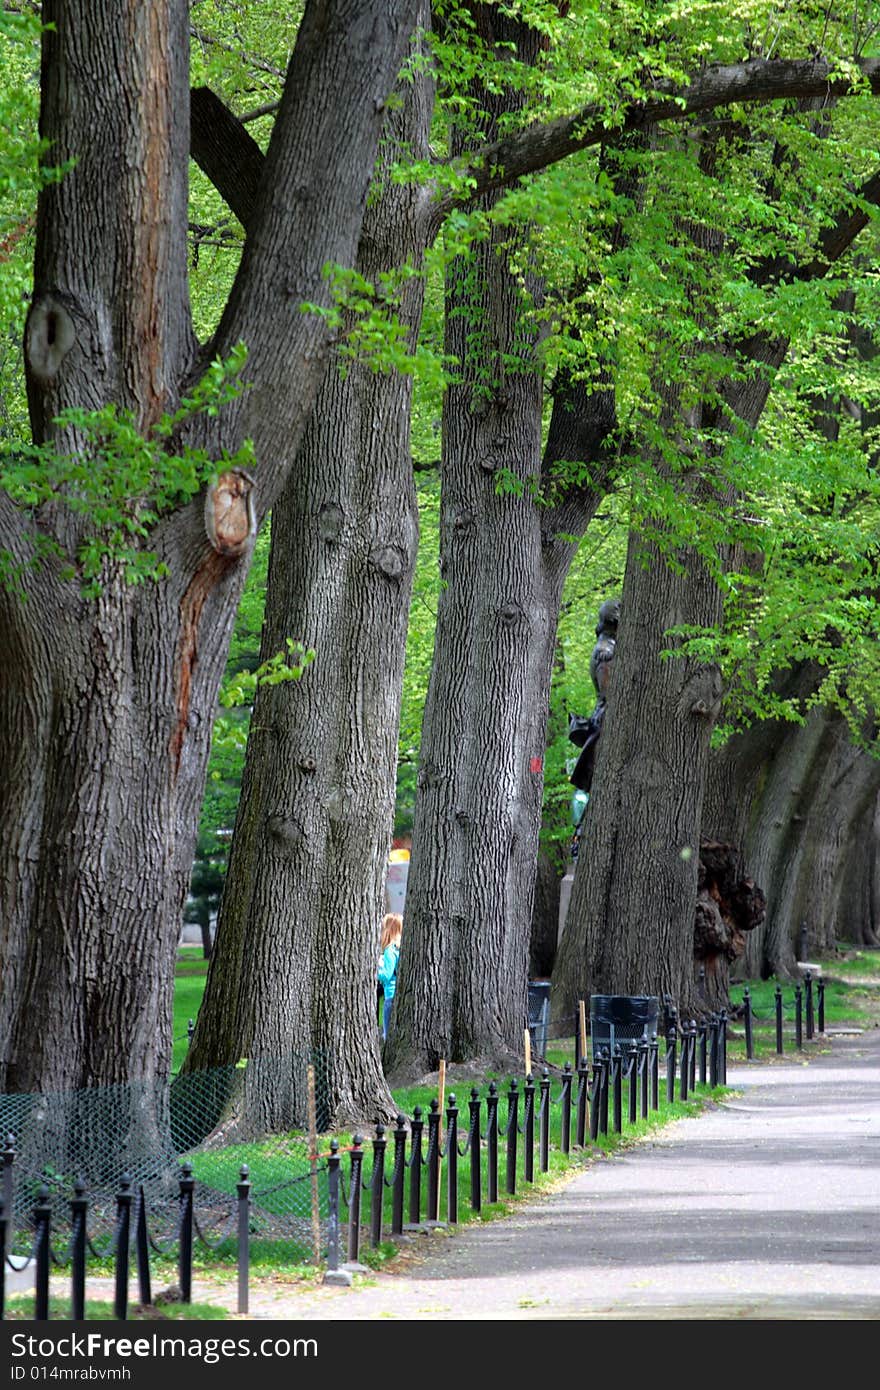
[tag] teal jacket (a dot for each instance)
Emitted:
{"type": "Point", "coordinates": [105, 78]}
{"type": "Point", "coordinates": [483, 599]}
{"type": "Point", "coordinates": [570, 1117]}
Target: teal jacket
{"type": "Point", "coordinates": [388, 970]}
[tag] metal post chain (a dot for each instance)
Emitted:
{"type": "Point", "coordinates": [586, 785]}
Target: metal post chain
{"type": "Point", "coordinates": [473, 1143]}
{"type": "Point", "coordinates": [492, 1132]}
{"type": "Point", "coordinates": [529, 1126]}
{"type": "Point", "coordinates": [185, 1245]}
{"type": "Point", "coordinates": [544, 1125]}
{"type": "Point", "coordinates": [451, 1149]}
{"type": "Point", "coordinates": [583, 1103]}
{"type": "Point", "coordinates": [565, 1101]}
{"type": "Point", "coordinates": [42, 1239]}
{"type": "Point", "coordinates": [415, 1166]}
{"type": "Point", "coordinates": [332, 1207]}
{"type": "Point", "coordinates": [398, 1175]}
{"type": "Point", "coordinates": [356, 1158]}
{"type": "Point", "coordinates": [377, 1186]}
{"type": "Point", "coordinates": [512, 1131]}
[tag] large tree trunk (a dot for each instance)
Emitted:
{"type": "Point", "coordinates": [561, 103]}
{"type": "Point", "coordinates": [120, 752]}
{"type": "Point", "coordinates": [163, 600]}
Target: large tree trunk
{"type": "Point", "coordinates": [307, 871]}
{"type": "Point", "coordinates": [805, 796]}
{"type": "Point", "coordinates": [108, 702]}
{"type": "Point", "coordinates": [630, 923]}
{"type": "Point", "coordinates": [464, 955]}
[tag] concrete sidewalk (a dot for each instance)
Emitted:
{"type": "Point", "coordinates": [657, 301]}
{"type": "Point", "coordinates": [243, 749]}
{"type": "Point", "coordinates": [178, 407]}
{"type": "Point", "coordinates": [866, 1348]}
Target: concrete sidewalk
{"type": "Point", "coordinates": [765, 1207]}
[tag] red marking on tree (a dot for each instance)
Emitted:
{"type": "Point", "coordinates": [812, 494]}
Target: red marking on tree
{"type": "Point", "coordinates": [536, 765]}
{"type": "Point", "coordinates": [191, 605]}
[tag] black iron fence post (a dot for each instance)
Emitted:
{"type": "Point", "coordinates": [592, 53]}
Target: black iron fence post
{"type": "Point", "coordinates": [452, 1161]}
{"type": "Point", "coordinates": [820, 999]}
{"type": "Point", "coordinates": [476, 1176]}
{"type": "Point", "coordinates": [142, 1250]}
{"type": "Point", "coordinates": [632, 1080]}
{"type": "Point", "coordinates": [8, 1193]}
{"type": "Point", "coordinates": [722, 1069]}
{"type": "Point", "coordinates": [377, 1186]}
{"type": "Point", "coordinates": [692, 1054]}
{"type": "Point", "coordinates": [583, 1100]}
{"type": "Point", "coordinates": [415, 1166]}
{"type": "Point", "coordinates": [512, 1122]}
{"type": "Point", "coordinates": [243, 1192]}
{"type": "Point", "coordinates": [434, 1160]}
{"type": "Point", "coordinates": [356, 1163]}
{"type": "Point", "coordinates": [670, 1065]}
{"type": "Point", "coordinates": [747, 1020]}
{"type": "Point", "coordinates": [79, 1207]}
{"type": "Point", "coordinates": [808, 1002]}
{"type": "Point", "coordinates": [596, 1098]}
{"type": "Point", "coordinates": [78, 1216]}
{"type": "Point", "coordinates": [42, 1254]}
{"type": "Point", "coordinates": [654, 1066]}
{"type": "Point", "coordinates": [492, 1143]}
{"type": "Point", "coordinates": [2, 1259]}
{"type": "Point", "coordinates": [544, 1135]}
{"type": "Point", "coordinates": [648, 1075]}
{"type": "Point", "coordinates": [529, 1128]}
{"type": "Point", "coordinates": [565, 1124]}
{"type": "Point", "coordinates": [616, 1089]}
{"type": "Point", "coordinates": [398, 1177]}
{"type": "Point", "coordinates": [333, 1206]}
{"type": "Point", "coordinates": [778, 998]}
{"type": "Point", "coordinates": [684, 1066]}
{"type": "Point", "coordinates": [798, 1017]}
{"type": "Point", "coordinates": [702, 1035]}
{"type": "Point", "coordinates": [604, 1070]}
{"type": "Point", "coordinates": [123, 1240]}
{"type": "Point", "coordinates": [185, 1248]}
{"type": "Point", "coordinates": [713, 1050]}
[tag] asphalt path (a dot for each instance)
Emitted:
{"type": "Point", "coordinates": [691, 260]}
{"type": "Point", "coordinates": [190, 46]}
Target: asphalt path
{"type": "Point", "coordinates": [766, 1206]}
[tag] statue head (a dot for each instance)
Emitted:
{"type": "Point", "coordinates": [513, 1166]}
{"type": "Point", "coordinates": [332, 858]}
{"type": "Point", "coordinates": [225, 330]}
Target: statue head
{"type": "Point", "coordinates": [609, 617]}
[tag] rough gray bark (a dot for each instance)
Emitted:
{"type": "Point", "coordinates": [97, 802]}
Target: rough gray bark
{"type": "Point", "coordinates": [476, 792]}
{"type": "Point", "coordinates": [504, 558]}
{"type": "Point", "coordinates": [806, 798]}
{"type": "Point", "coordinates": [307, 870]}
{"type": "Point", "coordinates": [630, 924]}
{"type": "Point", "coordinates": [545, 914]}
{"type": "Point", "coordinates": [108, 704]}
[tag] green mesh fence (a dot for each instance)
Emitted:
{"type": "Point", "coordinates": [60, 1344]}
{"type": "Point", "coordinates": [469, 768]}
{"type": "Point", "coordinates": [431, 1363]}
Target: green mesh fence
{"type": "Point", "coordinates": [216, 1121]}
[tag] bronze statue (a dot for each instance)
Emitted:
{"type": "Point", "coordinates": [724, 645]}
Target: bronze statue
{"type": "Point", "coordinates": [584, 733]}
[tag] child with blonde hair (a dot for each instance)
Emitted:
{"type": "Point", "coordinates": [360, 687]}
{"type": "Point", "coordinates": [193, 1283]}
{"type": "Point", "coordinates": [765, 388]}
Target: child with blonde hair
{"type": "Point", "coordinates": [389, 947]}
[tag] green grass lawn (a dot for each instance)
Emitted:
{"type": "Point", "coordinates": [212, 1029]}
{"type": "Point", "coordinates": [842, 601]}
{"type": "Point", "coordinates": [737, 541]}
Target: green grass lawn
{"type": "Point", "coordinates": [189, 986]}
{"type": "Point", "coordinates": [21, 1307]}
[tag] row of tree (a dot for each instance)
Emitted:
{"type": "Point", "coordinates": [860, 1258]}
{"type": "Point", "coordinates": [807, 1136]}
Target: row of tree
{"type": "Point", "coordinates": [688, 348]}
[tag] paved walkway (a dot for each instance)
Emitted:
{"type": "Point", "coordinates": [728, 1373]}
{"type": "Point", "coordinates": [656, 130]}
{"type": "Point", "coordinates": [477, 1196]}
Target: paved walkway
{"type": "Point", "coordinates": [766, 1207]}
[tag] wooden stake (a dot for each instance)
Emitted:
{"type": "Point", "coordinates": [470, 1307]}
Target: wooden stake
{"type": "Point", "coordinates": [442, 1094]}
{"type": "Point", "coordinates": [313, 1162]}
{"type": "Point", "coordinates": [527, 1039]}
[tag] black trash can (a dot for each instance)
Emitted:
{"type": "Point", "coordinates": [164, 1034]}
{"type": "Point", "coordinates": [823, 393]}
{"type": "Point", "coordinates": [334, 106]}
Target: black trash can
{"type": "Point", "coordinates": [539, 1014]}
{"type": "Point", "coordinates": [622, 1018]}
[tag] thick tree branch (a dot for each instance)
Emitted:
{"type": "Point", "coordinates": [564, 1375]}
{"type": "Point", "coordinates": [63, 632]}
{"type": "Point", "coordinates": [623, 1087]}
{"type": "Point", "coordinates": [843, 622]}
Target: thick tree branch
{"type": "Point", "coordinates": [233, 161]}
{"type": "Point", "coordinates": [839, 237]}
{"type": "Point", "coordinates": [225, 152]}
{"type": "Point", "coordinates": [537, 147]}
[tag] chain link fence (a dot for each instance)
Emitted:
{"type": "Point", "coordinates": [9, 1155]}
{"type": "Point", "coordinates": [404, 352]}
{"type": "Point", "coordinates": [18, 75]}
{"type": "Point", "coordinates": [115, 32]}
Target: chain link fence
{"type": "Point", "coordinates": [264, 1115]}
